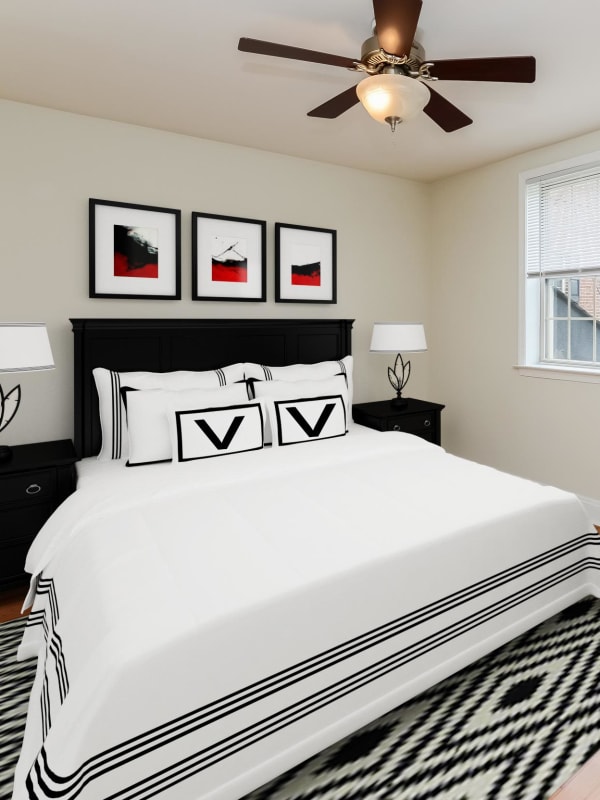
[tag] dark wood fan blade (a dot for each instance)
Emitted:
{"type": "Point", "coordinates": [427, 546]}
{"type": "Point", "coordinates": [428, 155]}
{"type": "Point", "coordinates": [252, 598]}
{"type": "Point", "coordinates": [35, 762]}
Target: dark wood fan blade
{"type": "Point", "coordinates": [513, 69]}
{"type": "Point", "coordinates": [297, 53]}
{"type": "Point", "coordinates": [444, 113]}
{"type": "Point", "coordinates": [337, 105]}
{"type": "Point", "coordinates": [396, 24]}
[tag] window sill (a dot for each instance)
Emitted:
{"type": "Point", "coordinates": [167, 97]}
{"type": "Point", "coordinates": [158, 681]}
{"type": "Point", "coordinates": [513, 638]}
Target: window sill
{"type": "Point", "coordinates": [553, 372]}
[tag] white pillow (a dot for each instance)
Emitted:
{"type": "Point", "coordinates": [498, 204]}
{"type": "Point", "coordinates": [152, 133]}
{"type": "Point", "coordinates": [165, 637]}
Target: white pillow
{"type": "Point", "coordinates": [295, 390]}
{"type": "Point", "coordinates": [303, 372]}
{"type": "Point", "coordinates": [113, 422]}
{"type": "Point", "coordinates": [210, 432]}
{"type": "Point", "coordinates": [307, 419]}
{"type": "Point", "coordinates": [149, 413]}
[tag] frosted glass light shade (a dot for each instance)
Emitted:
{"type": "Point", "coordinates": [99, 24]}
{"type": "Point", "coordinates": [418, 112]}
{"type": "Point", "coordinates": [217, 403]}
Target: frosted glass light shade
{"type": "Point", "coordinates": [391, 96]}
{"type": "Point", "coordinates": [24, 347]}
{"type": "Point", "coordinates": [396, 337]}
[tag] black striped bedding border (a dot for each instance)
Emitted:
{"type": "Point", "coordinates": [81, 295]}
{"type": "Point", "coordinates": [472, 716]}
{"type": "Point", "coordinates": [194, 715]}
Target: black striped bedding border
{"type": "Point", "coordinates": [70, 786]}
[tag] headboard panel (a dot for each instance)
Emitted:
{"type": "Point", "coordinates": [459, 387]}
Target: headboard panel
{"type": "Point", "coordinates": [163, 345]}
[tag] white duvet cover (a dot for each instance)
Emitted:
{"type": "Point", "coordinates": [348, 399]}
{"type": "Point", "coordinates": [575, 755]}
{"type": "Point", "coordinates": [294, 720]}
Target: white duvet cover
{"type": "Point", "coordinates": [202, 627]}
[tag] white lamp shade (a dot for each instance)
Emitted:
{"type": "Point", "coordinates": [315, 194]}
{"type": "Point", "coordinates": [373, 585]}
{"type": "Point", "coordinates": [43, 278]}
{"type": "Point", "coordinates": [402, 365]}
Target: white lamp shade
{"type": "Point", "coordinates": [391, 96]}
{"type": "Point", "coordinates": [24, 347]}
{"type": "Point", "coordinates": [398, 337]}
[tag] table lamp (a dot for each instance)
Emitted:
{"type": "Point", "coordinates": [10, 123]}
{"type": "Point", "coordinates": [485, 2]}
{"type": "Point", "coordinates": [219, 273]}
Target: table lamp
{"type": "Point", "coordinates": [24, 347]}
{"type": "Point", "coordinates": [394, 337]}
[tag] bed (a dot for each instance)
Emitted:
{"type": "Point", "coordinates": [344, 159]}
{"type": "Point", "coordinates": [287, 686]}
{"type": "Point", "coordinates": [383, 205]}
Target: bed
{"type": "Point", "coordinates": [202, 624]}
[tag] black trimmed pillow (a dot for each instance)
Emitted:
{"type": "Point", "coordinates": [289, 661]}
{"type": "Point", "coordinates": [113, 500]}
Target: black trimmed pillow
{"type": "Point", "coordinates": [303, 372]}
{"type": "Point", "coordinates": [292, 390]}
{"type": "Point", "coordinates": [113, 421]}
{"type": "Point", "coordinates": [149, 413]}
{"type": "Point", "coordinates": [307, 419]}
{"type": "Point", "coordinates": [210, 432]}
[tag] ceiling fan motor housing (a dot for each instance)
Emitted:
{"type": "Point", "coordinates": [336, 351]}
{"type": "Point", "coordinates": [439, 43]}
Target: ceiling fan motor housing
{"type": "Point", "coordinates": [374, 58]}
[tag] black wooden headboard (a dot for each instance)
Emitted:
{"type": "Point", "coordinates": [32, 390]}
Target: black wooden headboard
{"type": "Point", "coordinates": [163, 345]}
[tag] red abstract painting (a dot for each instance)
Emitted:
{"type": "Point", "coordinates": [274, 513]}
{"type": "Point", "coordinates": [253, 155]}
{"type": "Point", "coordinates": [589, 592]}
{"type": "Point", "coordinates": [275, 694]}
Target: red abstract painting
{"type": "Point", "coordinates": [306, 274]}
{"type": "Point", "coordinates": [135, 252]}
{"type": "Point", "coordinates": [229, 260]}
{"type": "Point", "coordinates": [230, 273]}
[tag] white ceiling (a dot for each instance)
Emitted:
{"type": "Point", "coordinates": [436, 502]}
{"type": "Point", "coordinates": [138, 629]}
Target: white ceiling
{"type": "Point", "coordinates": [174, 65]}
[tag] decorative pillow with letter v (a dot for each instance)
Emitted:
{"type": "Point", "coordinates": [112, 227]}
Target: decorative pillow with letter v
{"type": "Point", "coordinates": [307, 419]}
{"type": "Point", "coordinates": [295, 390]}
{"type": "Point", "coordinates": [208, 432]}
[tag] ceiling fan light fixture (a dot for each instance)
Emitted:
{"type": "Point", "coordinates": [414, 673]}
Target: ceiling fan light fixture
{"type": "Point", "coordinates": [392, 97]}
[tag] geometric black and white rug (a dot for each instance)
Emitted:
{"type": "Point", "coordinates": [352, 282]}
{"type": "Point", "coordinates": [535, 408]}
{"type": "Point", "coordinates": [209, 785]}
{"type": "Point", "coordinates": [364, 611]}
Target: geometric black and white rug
{"type": "Point", "coordinates": [513, 726]}
{"type": "Point", "coordinates": [16, 678]}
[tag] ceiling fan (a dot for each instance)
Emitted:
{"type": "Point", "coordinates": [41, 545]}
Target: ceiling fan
{"type": "Point", "coordinates": [395, 67]}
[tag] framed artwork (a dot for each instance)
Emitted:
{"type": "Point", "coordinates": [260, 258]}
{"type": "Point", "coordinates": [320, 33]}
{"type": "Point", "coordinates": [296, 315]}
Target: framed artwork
{"type": "Point", "coordinates": [305, 264]}
{"type": "Point", "coordinates": [228, 258]}
{"type": "Point", "coordinates": [135, 251]}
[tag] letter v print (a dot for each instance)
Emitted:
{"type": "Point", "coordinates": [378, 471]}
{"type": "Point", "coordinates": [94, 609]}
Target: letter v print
{"type": "Point", "coordinates": [220, 444]}
{"type": "Point", "coordinates": [312, 432]}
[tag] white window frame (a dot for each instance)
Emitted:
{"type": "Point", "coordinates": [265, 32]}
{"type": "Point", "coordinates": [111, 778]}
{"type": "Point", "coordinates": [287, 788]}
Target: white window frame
{"type": "Point", "coordinates": [531, 318]}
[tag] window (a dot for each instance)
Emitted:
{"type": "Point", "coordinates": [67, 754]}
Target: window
{"type": "Point", "coordinates": [562, 269]}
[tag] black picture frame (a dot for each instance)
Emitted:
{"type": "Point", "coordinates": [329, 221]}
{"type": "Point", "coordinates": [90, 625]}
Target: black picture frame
{"type": "Point", "coordinates": [305, 264]}
{"type": "Point", "coordinates": [135, 251]}
{"type": "Point", "coordinates": [229, 258]}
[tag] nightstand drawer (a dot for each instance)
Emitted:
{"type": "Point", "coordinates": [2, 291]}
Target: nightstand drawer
{"type": "Point", "coordinates": [13, 559]}
{"type": "Point", "coordinates": [418, 417]}
{"type": "Point", "coordinates": [33, 483]}
{"type": "Point", "coordinates": [20, 525]}
{"type": "Point", "coordinates": [421, 424]}
{"type": "Point", "coordinates": [28, 487]}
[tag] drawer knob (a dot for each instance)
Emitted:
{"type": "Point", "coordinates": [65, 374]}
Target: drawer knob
{"type": "Point", "coordinates": [427, 423]}
{"type": "Point", "coordinates": [397, 428]}
{"type": "Point", "coordinates": [33, 488]}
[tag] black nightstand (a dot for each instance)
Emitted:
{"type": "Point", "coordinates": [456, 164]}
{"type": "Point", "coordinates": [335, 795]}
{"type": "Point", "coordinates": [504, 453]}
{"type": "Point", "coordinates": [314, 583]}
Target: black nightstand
{"type": "Point", "coordinates": [418, 417]}
{"type": "Point", "coordinates": [33, 483]}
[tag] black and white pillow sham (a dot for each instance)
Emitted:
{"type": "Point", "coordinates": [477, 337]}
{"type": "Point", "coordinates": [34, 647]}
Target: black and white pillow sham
{"type": "Point", "coordinates": [303, 372]}
{"type": "Point", "coordinates": [150, 412]}
{"type": "Point", "coordinates": [113, 421]}
{"type": "Point", "coordinates": [210, 432]}
{"type": "Point", "coordinates": [295, 390]}
{"type": "Point", "coordinates": [307, 419]}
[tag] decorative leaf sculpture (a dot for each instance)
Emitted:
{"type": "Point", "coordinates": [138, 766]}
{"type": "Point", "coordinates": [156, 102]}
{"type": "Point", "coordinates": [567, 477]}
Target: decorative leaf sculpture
{"type": "Point", "coordinates": [9, 403]}
{"type": "Point", "coordinates": [397, 378]}
{"type": "Point", "coordinates": [405, 374]}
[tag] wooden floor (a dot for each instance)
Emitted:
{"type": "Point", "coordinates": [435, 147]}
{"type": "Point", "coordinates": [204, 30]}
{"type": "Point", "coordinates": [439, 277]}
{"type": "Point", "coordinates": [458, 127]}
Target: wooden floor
{"type": "Point", "coordinates": [11, 601]}
{"type": "Point", "coordinates": [584, 785]}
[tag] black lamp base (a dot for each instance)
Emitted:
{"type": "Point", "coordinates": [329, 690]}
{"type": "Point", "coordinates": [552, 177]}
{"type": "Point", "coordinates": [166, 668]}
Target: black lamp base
{"type": "Point", "coordinates": [5, 453]}
{"type": "Point", "coordinates": [399, 402]}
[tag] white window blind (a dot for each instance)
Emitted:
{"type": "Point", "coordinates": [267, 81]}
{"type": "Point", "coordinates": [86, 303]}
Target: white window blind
{"type": "Point", "coordinates": [563, 223]}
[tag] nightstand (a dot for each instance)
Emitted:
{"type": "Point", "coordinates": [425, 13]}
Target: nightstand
{"type": "Point", "coordinates": [33, 483]}
{"type": "Point", "coordinates": [418, 417]}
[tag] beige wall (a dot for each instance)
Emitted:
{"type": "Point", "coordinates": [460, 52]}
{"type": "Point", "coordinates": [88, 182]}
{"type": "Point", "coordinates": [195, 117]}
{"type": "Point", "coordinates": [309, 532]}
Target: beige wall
{"type": "Point", "coordinates": [446, 254]}
{"type": "Point", "coordinates": [548, 430]}
{"type": "Point", "coordinates": [52, 162]}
